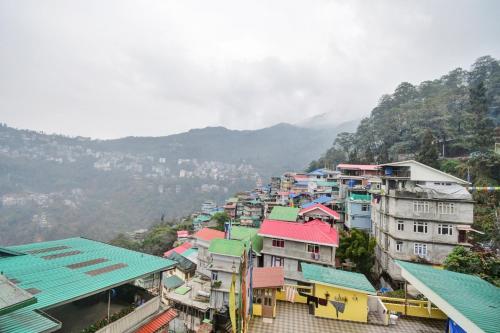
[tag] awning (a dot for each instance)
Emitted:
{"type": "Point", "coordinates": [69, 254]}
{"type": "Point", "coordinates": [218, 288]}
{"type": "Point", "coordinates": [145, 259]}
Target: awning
{"type": "Point", "coordinates": [158, 322]}
{"type": "Point", "coordinates": [469, 228]}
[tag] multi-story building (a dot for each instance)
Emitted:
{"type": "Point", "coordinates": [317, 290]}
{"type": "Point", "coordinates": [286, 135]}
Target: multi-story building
{"type": "Point", "coordinates": [201, 240]}
{"type": "Point", "coordinates": [357, 211]}
{"type": "Point", "coordinates": [288, 244]}
{"type": "Point", "coordinates": [420, 214]}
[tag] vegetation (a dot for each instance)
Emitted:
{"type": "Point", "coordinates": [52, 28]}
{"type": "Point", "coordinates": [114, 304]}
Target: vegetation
{"type": "Point", "coordinates": [160, 237]}
{"type": "Point", "coordinates": [459, 110]}
{"type": "Point", "coordinates": [483, 264]}
{"type": "Point", "coordinates": [220, 218]}
{"type": "Point", "coordinates": [357, 246]}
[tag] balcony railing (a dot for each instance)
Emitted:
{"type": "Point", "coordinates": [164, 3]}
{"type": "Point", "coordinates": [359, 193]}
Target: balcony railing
{"type": "Point", "coordinates": [134, 318]}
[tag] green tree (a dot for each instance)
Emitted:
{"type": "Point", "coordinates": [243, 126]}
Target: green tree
{"type": "Point", "coordinates": [220, 218]}
{"type": "Point", "coordinates": [480, 123]}
{"type": "Point", "coordinates": [357, 246]}
{"type": "Point", "coordinates": [463, 260]}
{"type": "Point", "coordinates": [428, 153]}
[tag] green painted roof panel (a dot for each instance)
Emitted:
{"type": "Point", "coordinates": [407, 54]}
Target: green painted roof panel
{"type": "Point", "coordinates": [59, 284]}
{"type": "Point", "coordinates": [337, 277]}
{"type": "Point", "coordinates": [248, 233]}
{"type": "Point", "coordinates": [173, 281]}
{"type": "Point", "coordinates": [284, 213]}
{"type": "Point", "coordinates": [227, 247]}
{"type": "Point", "coordinates": [473, 297]}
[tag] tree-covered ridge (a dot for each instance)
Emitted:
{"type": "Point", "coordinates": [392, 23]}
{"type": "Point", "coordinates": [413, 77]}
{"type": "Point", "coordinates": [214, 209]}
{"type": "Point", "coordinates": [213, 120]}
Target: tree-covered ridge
{"type": "Point", "coordinates": [460, 110]}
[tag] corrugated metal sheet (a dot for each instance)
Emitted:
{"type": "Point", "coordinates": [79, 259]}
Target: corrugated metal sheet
{"type": "Point", "coordinates": [59, 284]}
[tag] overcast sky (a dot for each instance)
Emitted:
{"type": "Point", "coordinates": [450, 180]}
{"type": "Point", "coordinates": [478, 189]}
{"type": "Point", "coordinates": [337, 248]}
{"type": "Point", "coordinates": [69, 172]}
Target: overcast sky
{"type": "Point", "coordinates": [108, 69]}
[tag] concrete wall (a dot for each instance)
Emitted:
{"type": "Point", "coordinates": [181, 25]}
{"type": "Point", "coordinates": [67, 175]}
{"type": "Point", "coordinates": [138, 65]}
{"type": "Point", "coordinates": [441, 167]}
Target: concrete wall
{"type": "Point", "coordinates": [356, 304]}
{"type": "Point", "coordinates": [298, 251]}
{"type": "Point", "coordinates": [356, 217]}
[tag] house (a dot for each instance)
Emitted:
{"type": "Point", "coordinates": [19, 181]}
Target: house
{"type": "Point", "coordinates": [184, 268]}
{"type": "Point", "coordinates": [358, 211]}
{"type": "Point", "coordinates": [287, 244]}
{"type": "Point", "coordinates": [230, 207]}
{"type": "Point", "coordinates": [319, 212]}
{"type": "Point", "coordinates": [421, 214]}
{"type": "Point", "coordinates": [57, 273]}
{"type": "Point", "coordinates": [208, 206]}
{"type": "Point", "coordinates": [265, 283]}
{"type": "Point", "coordinates": [338, 294]}
{"type": "Point", "coordinates": [202, 239]}
{"type": "Point", "coordinates": [280, 213]}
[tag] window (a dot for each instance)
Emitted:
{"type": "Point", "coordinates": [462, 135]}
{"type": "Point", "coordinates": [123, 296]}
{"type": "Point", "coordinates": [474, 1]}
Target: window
{"type": "Point", "coordinates": [277, 261]}
{"type": "Point", "coordinates": [446, 208]}
{"type": "Point", "coordinates": [365, 208]}
{"type": "Point", "coordinates": [312, 248]}
{"type": "Point", "coordinates": [401, 226]}
{"type": "Point", "coordinates": [278, 242]}
{"type": "Point", "coordinates": [214, 276]}
{"type": "Point", "coordinates": [445, 229]}
{"type": "Point", "coordinates": [420, 249]}
{"type": "Point", "coordinates": [420, 227]}
{"type": "Point", "coordinates": [399, 246]}
{"type": "Point", "coordinates": [420, 206]}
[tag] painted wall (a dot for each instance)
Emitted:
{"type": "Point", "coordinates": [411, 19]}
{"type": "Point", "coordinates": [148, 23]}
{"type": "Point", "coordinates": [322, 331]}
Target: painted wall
{"type": "Point", "coordinates": [356, 217]}
{"type": "Point", "coordinates": [414, 308]}
{"type": "Point", "coordinates": [356, 306]}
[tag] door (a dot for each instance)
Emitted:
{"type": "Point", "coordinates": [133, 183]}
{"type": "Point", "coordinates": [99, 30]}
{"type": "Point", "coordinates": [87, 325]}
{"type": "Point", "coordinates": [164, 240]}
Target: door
{"type": "Point", "coordinates": [268, 301]}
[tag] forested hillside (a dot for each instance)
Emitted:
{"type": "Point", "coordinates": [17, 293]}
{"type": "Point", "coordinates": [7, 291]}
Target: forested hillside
{"type": "Point", "coordinates": [460, 110]}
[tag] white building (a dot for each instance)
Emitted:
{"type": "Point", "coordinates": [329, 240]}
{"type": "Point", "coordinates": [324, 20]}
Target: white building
{"type": "Point", "coordinates": [420, 215]}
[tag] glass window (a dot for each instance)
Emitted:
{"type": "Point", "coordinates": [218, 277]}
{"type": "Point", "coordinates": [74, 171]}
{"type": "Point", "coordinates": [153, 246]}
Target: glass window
{"type": "Point", "coordinates": [277, 261]}
{"type": "Point", "coordinates": [278, 242]}
{"type": "Point", "coordinates": [421, 206]}
{"type": "Point", "coordinates": [313, 248]}
{"type": "Point", "coordinates": [420, 249]}
{"type": "Point", "coordinates": [420, 227]}
{"type": "Point", "coordinates": [365, 208]}
{"type": "Point", "coordinates": [446, 208]}
{"type": "Point", "coordinates": [401, 226]}
{"type": "Point", "coordinates": [214, 276]}
{"type": "Point", "coordinates": [399, 246]}
{"type": "Point", "coordinates": [445, 229]}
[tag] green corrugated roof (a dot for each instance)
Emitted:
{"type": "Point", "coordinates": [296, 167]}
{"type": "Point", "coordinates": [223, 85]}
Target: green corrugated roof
{"type": "Point", "coordinates": [182, 290]}
{"type": "Point", "coordinates": [59, 284]}
{"type": "Point", "coordinates": [227, 247]}
{"type": "Point", "coordinates": [327, 184]}
{"type": "Point", "coordinates": [173, 281]}
{"type": "Point", "coordinates": [284, 213]}
{"type": "Point", "coordinates": [360, 197]}
{"type": "Point", "coordinates": [202, 218]}
{"type": "Point", "coordinates": [473, 297]}
{"type": "Point", "coordinates": [248, 233]}
{"type": "Point", "coordinates": [12, 297]}
{"type": "Point", "coordinates": [182, 262]}
{"type": "Point", "coordinates": [337, 277]}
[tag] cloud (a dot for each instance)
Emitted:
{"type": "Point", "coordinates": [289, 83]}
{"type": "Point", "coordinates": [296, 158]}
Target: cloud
{"type": "Point", "coordinates": [115, 68]}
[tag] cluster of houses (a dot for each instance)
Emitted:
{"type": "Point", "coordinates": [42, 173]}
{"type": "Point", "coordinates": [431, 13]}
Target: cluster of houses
{"type": "Point", "coordinates": [281, 240]}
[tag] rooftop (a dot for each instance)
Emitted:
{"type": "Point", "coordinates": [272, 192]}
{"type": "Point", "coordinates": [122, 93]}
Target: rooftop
{"type": "Point", "coordinates": [62, 271]}
{"type": "Point", "coordinates": [364, 167]}
{"type": "Point", "coordinates": [247, 233]}
{"type": "Point", "coordinates": [179, 249]}
{"type": "Point", "coordinates": [360, 197]}
{"type": "Point", "coordinates": [268, 277]}
{"type": "Point", "coordinates": [227, 247]}
{"type": "Point", "coordinates": [321, 207]}
{"type": "Point", "coordinates": [284, 213]}
{"type": "Point", "coordinates": [467, 299]}
{"type": "Point", "coordinates": [316, 232]}
{"type": "Point", "coordinates": [337, 278]}
{"type": "Point", "coordinates": [158, 322]}
{"type": "Point", "coordinates": [207, 234]}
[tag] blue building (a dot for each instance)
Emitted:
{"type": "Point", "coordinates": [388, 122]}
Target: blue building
{"type": "Point", "coordinates": [358, 211]}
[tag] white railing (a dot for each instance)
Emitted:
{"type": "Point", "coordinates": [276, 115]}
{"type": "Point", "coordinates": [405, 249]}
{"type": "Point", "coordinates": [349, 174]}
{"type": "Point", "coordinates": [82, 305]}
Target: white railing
{"type": "Point", "coordinates": [134, 318]}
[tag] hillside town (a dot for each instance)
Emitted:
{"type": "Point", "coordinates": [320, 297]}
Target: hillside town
{"type": "Point", "coordinates": [276, 258]}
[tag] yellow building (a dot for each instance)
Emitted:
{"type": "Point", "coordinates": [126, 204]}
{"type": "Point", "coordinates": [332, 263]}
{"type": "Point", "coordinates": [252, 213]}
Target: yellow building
{"type": "Point", "coordinates": [265, 282]}
{"type": "Point", "coordinates": [338, 294]}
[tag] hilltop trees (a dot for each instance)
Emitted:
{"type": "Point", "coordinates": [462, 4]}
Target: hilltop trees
{"type": "Point", "coordinates": [428, 153]}
{"type": "Point", "coordinates": [481, 125]}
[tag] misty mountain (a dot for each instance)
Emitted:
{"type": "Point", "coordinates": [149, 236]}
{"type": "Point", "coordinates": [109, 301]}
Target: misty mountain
{"type": "Point", "coordinates": [53, 186]}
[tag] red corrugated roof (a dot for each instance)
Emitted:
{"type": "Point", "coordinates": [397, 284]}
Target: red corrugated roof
{"type": "Point", "coordinates": [268, 277]}
{"type": "Point", "coordinates": [179, 249]}
{"type": "Point", "coordinates": [316, 231]}
{"type": "Point", "coordinates": [158, 322]}
{"type": "Point", "coordinates": [208, 234]}
{"type": "Point", "coordinates": [358, 166]}
{"type": "Point", "coordinates": [321, 207]}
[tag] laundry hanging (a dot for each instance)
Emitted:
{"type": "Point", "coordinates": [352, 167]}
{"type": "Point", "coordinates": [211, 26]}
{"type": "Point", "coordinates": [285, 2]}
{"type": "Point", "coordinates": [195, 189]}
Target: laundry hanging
{"type": "Point", "coordinates": [339, 307]}
{"type": "Point", "coordinates": [290, 292]}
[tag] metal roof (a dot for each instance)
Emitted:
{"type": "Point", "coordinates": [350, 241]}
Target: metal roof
{"type": "Point", "coordinates": [470, 301]}
{"type": "Point", "coordinates": [93, 267]}
{"type": "Point", "coordinates": [227, 247]}
{"type": "Point", "coordinates": [284, 213]}
{"type": "Point", "coordinates": [12, 297]}
{"type": "Point", "coordinates": [250, 234]}
{"type": "Point", "coordinates": [337, 277]}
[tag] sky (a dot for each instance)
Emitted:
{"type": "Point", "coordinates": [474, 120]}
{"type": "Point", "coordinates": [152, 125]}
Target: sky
{"type": "Point", "coordinates": [108, 69]}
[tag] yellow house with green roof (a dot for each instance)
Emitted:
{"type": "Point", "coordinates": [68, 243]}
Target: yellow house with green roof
{"type": "Point", "coordinates": [338, 294]}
